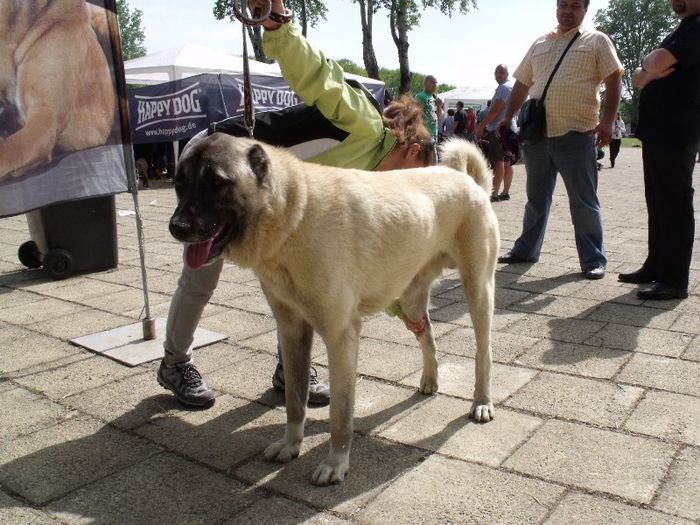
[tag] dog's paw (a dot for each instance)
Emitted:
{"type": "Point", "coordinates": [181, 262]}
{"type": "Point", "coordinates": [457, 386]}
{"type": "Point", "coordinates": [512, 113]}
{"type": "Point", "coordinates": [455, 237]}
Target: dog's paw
{"type": "Point", "coordinates": [482, 413]}
{"type": "Point", "coordinates": [282, 452]}
{"type": "Point", "coordinates": [428, 384]}
{"type": "Point", "coordinates": [331, 471]}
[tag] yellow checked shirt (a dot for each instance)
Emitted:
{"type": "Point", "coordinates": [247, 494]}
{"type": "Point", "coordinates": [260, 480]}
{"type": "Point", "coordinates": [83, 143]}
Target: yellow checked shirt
{"type": "Point", "coordinates": [573, 98]}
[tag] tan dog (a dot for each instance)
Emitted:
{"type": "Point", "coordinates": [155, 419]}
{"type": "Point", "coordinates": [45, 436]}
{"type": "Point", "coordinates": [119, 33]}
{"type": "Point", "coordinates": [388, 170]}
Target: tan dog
{"type": "Point", "coordinates": [56, 92]}
{"type": "Point", "coordinates": [330, 245]}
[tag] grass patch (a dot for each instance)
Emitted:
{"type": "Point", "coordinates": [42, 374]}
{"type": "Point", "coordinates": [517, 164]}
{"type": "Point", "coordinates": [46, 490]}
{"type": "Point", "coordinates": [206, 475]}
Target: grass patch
{"type": "Point", "coordinates": [629, 142]}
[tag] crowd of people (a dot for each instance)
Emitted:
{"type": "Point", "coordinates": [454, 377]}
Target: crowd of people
{"type": "Point", "coordinates": [568, 64]}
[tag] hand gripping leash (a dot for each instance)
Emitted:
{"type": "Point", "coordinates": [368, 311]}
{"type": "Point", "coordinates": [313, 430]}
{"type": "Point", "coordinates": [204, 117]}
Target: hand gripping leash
{"type": "Point", "coordinates": [257, 17]}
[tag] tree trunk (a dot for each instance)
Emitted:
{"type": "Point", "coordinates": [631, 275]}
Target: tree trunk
{"type": "Point", "coordinates": [304, 20]}
{"type": "Point", "coordinates": [398, 21]}
{"type": "Point", "coordinates": [255, 37]}
{"type": "Point", "coordinates": [368, 56]}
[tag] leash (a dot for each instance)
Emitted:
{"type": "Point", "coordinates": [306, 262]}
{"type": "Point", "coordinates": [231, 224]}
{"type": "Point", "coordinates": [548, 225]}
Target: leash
{"type": "Point", "coordinates": [259, 15]}
{"type": "Point", "coordinates": [248, 107]}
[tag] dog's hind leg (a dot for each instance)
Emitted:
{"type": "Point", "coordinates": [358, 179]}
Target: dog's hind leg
{"type": "Point", "coordinates": [342, 345]}
{"type": "Point", "coordinates": [478, 280]}
{"type": "Point", "coordinates": [414, 303]}
{"type": "Point", "coordinates": [295, 339]}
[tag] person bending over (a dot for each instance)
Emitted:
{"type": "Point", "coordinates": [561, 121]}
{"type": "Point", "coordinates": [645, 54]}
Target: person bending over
{"type": "Point", "coordinates": [397, 139]}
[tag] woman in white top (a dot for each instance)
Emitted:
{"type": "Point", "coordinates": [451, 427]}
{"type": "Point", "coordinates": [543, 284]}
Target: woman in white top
{"type": "Point", "coordinates": [618, 130]}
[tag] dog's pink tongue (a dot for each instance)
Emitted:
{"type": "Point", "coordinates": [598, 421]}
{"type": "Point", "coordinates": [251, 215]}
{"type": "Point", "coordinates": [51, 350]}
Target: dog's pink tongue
{"type": "Point", "coordinates": [197, 254]}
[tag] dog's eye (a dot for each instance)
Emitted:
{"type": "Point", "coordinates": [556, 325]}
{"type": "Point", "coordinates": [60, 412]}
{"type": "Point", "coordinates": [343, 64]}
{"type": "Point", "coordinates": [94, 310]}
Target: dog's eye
{"type": "Point", "coordinates": [219, 183]}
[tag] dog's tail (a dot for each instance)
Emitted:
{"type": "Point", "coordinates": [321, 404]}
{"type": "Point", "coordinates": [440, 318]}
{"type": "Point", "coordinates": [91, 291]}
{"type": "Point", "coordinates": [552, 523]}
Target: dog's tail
{"type": "Point", "coordinates": [464, 156]}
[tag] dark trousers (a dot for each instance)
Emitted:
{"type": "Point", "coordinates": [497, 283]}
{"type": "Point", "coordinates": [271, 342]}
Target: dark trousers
{"type": "Point", "coordinates": [614, 149]}
{"type": "Point", "coordinates": [668, 183]}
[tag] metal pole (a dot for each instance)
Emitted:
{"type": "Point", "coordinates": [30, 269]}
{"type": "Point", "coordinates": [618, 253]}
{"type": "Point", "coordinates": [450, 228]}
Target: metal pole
{"type": "Point", "coordinates": [149, 324]}
{"type": "Point", "coordinates": [149, 327]}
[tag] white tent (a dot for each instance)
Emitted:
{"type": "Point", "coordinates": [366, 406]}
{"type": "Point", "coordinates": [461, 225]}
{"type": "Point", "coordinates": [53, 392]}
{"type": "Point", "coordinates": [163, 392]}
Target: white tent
{"type": "Point", "coordinates": [191, 59]}
{"type": "Point", "coordinates": [188, 60]}
{"type": "Point", "coordinates": [475, 96]}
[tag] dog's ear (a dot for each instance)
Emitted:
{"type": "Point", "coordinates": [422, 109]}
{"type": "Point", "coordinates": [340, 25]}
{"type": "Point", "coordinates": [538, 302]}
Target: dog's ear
{"type": "Point", "coordinates": [259, 163]}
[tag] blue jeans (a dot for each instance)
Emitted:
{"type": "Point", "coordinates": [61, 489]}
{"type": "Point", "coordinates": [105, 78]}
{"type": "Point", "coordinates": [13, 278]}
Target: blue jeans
{"type": "Point", "coordinates": [573, 156]}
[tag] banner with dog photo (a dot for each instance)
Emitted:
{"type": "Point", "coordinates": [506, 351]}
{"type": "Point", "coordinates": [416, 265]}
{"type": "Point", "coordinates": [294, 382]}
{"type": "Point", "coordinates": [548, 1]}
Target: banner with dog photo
{"type": "Point", "coordinates": [60, 119]}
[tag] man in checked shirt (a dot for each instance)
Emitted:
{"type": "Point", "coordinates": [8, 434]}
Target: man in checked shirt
{"type": "Point", "coordinates": [573, 132]}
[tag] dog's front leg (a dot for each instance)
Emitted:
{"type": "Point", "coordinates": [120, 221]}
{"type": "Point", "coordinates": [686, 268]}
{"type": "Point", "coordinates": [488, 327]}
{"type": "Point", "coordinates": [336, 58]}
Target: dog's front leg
{"type": "Point", "coordinates": [342, 365]}
{"type": "Point", "coordinates": [295, 338]}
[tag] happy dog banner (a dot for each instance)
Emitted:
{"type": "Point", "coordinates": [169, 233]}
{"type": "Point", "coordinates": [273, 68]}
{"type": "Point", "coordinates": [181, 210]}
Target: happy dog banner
{"type": "Point", "coordinates": [180, 109]}
{"type": "Point", "coordinates": [60, 126]}
{"type": "Point", "coordinates": [175, 110]}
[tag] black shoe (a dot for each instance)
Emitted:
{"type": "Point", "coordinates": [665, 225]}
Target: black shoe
{"type": "Point", "coordinates": [504, 196]}
{"type": "Point", "coordinates": [494, 198]}
{"type": "Point", "coordinates": [661, 292]}
{"type": "Point", "coordinates": [319, 393]}
{"type": "Point", "coordinates": [186, 383]}
{"type": "Point", "coordinates": [641, 276]}
{"type": "Point", "coordinates": [510, 258]}
{"type": "Point", "coordinates": [597, 272]}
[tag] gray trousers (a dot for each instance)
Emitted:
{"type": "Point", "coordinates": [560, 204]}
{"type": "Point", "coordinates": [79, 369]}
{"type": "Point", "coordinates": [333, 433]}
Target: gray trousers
{"type": "Point", "coordinates": [194, 289]}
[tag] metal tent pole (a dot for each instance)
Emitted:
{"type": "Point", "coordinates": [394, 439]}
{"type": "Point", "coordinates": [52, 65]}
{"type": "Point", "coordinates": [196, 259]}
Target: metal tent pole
{"type": "Point", "coordinates": [149, 324]}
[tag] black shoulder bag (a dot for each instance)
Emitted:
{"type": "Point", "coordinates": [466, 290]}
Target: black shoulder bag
{"type": "Point", "coordinates": [532, 119]}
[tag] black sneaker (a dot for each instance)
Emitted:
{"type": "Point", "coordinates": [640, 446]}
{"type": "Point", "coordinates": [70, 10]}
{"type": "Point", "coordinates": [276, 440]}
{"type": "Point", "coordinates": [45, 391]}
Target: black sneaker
{"type": "Point", "coordinates": [186, 383]}
{"type": "Point", "coordinates": [319, 393]}
{"type": "Point", "coordinates": [504, 196]}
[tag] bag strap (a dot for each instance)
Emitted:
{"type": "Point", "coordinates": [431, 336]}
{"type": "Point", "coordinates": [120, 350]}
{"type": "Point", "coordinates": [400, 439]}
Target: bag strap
{"type": "Point", "coordinates": [546, 87]}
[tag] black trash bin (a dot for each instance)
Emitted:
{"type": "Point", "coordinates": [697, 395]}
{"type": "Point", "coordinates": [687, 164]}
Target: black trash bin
{"type": "Point", "coordinates": [79, 237]}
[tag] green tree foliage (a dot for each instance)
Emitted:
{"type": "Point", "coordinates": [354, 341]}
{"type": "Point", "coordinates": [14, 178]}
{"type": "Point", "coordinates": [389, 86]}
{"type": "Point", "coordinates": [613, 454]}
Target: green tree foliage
{"type": "Point", "coordinates": [130, 31]}
{"type": "Point", "coordinates": [351, 67]}
{"type": "Point", "coordinates": [636, 27]}
{"type": "Point", "coordinates": [307, 12]}
{"type": "Point", "coordinates": [391, 78]}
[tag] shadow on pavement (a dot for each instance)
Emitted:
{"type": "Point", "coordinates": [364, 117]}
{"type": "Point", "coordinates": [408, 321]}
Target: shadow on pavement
{"type": "Point", "coordinates": [104, 474]}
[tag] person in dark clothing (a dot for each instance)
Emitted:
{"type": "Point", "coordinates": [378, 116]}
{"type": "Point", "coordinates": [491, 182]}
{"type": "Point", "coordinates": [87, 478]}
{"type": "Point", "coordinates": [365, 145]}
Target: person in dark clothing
{"type": "Point", "coordinates": [460, 120]}
{"type": "Point", "coordinates": [669, 76]}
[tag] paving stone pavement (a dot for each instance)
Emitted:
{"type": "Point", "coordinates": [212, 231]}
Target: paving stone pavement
{"type": "Point", "coordinates": [598, 395]}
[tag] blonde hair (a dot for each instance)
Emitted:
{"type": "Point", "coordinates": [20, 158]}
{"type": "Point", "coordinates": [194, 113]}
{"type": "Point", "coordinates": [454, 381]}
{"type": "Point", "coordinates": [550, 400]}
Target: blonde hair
{"type": "Point", "coordinates": [404, 119]}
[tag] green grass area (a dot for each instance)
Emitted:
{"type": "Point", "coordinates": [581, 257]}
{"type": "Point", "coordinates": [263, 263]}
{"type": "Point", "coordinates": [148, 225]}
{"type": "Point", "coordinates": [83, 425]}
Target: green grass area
{"type": "Point", "coordinates": [629, 142]}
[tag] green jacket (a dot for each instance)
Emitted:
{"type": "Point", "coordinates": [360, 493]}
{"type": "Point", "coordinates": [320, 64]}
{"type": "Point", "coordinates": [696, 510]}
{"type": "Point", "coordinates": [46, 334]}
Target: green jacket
{"type": "Point", "coordinates": [320, 81]}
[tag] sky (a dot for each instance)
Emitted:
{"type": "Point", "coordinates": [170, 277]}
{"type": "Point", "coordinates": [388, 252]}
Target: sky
{"type": "Point", "coordinates": [462, 51]}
